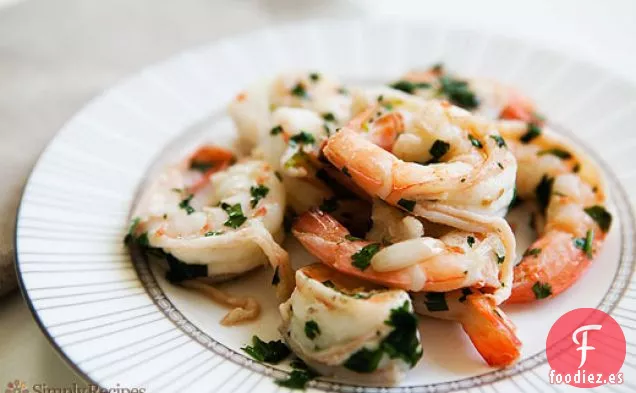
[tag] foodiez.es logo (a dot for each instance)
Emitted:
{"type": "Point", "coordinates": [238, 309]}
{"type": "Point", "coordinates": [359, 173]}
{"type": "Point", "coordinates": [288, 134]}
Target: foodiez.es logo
{"type": "Point", "coordinates": [586, 348]}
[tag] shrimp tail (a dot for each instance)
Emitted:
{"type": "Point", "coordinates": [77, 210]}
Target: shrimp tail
{"type": "Point", "coordinates": [554, 268]}
{"type": "Point", "coordinates": [491, 332]}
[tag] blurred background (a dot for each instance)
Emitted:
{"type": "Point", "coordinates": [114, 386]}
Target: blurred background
{"type": "Point", "coordinates": [57, 54]}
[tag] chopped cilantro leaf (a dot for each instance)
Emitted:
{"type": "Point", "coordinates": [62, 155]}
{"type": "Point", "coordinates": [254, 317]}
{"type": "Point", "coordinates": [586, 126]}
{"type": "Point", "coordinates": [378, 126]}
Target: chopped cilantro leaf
{"type": "Point", "coordinates": [329, 116]}
{"type": "Point", "coordinates": [562, 154]}
{"type": "Point", "coordinates": [602, 217]}
{"type": "Point", "coordinates": [312, 330]}
{"type": "Point", "coordinates": [142, 240]}
{"type": "Point", "coordinates": [352, 238]}
{"type": "Point", "coordinates": [276, 130]}
{"type": "Point", "coordinates": [213, 233]}
{"type": "Point", "coordinates": [299, 90]}
{"type": "Point", "coordinates": [458, 92]}
{"type": "Point", "coordinates": [303, 138]}
{"type": "Point", "coordinates": [297, 379]}
{"type": "Point", "coordinates": [201, 166]}
{"type": "Point", "coordinates": [437, 150]}
{"type": "Point", "coordinates": [436, 301]}
{"type": "Point", "coordinates": [314, 76]}
{"type": "Point", "coordinates": [269, 352]}
{"type": "Point", "coordinates": [541, 290]}
{"type": "Point", "coordinates": [500, 141]}
{"type": "Point", "coordinates": [585, 243]}
{"type": "Point", "coordinates": [532, 252]}
{"type": "Point", "coordinates": [259, 192]}
{"type": "Point", "coordinates": [403, 342]}
{"type": "Point", "coordinates": [235, 215]}
{"type": "Point", "coordinates": [362, 258]}
{"type": "Point", "coordinates": [533, 132]}
{"type": "Point", "coordinates": [500, 165]}
{"type": "Point", "coordinates": [470, 240]}
{"type": "Point", "coordinates": [407, 204]}
{"type": "Point", "coordinates": [544, 190]}
{"type": "Point", "coordinates": [475, 141]}
{"type": "Point", "coordinates": [500, 258]}
{"type": "Point", "coordinates": [364, 361]}
{"type": "Point", "coordinates": [185, 204]}
{"type": "Point", "coordinates": [134, 224]}
{"type": "Point", "coordinates": [409, 87]}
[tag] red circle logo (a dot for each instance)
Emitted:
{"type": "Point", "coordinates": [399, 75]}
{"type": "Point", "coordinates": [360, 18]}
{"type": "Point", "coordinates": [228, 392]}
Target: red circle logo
{"type": "Point", "coordinates": [586, 348]}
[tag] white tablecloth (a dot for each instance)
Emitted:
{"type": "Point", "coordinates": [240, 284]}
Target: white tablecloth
{"type": "Point", "coordinates": [55, 55]}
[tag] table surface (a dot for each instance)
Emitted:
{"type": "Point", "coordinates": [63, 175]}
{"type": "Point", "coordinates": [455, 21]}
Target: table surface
{"type": "Point", "coordinates": [56, 55]}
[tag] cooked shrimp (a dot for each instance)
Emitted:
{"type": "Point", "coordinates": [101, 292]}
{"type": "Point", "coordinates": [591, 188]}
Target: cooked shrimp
{"type": "Point", "coordinates": [455, 260]}
{"type": "Point", "coordinates": [466, 164]}
{"type": "Point", "coordinates": [492, 333]}
{"type": "Point", "coordinates": [382, 344]}
{"type": "Point", "coordinates": [484, 97]}
{"type": "Point", "coordinates": [251, 109]}
{"type": "Point", "coordinates": [570, 189]}
{"type": "Point", "coordinates": [216, 224]}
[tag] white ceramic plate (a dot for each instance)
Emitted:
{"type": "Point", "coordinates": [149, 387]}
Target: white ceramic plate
{"type": "Point", "coordinates": [118, 321]}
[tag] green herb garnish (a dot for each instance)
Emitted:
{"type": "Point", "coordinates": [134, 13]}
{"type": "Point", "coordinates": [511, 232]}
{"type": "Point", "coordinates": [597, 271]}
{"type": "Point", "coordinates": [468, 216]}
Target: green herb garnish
{"type": "Point", "coordinates": [475, 141]}
{"type": "Point", "coordinates": [201, 166]}
{"type": "Point", "coordinates": [585, 243]}
{"type": "Point", "coordinates": [562, 154]}
{"type": "Point", "coordinates": [533, 132]}
{"type": "Point", "coordinates": [213, 233]}
{"type": "Point", "coordinates": [329, 116]}
{"type": "Point", "coordinates": [276, 130]}
{"type": "Point", "coordinates": [362, 258]}
{"type": "Point", "coordinates": [401, 343]}
{"type": "Point", "coordinates": [299, 90]}
{"type": "Point", "coordinates": [314, 76]}
{"type": "Point", "coordinates": [437, 150]}
{"type": "Point", "coordinates": [298, 379]}
{"type": "Point", "coordinates": [185, 204]}
{"type": "Point", "coordinates": [269, 352]}
{"type": "Point", "coordinates": [408, 86]}
{"type": "Point", "coordinates": [259, 192]}
{"type": "Point", "coordinates": [541, 290]}
{"type": "Point", "coordinates": [235, 215]}
{"type": "Point", "coordinates": [500, 141]}
{"type": "Point", "coordinates": [602, 217]}
{"type": "Point", "coordinates": [353, 238]}
{"type": "Point", "coordinates": [532, 252]}
{"type": "Point", "coordinates": [303, 138]}
{"type": "Point", "coordinates": [470, 240]}
{"type": "Point", "coordinates": [311, 329]}
{"type": "Point", "coordinates": [543, 191]}
{"type": "Point", "coordinates": [458, 92]}
{"type": "Point", "coordinates": [364, 361]}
